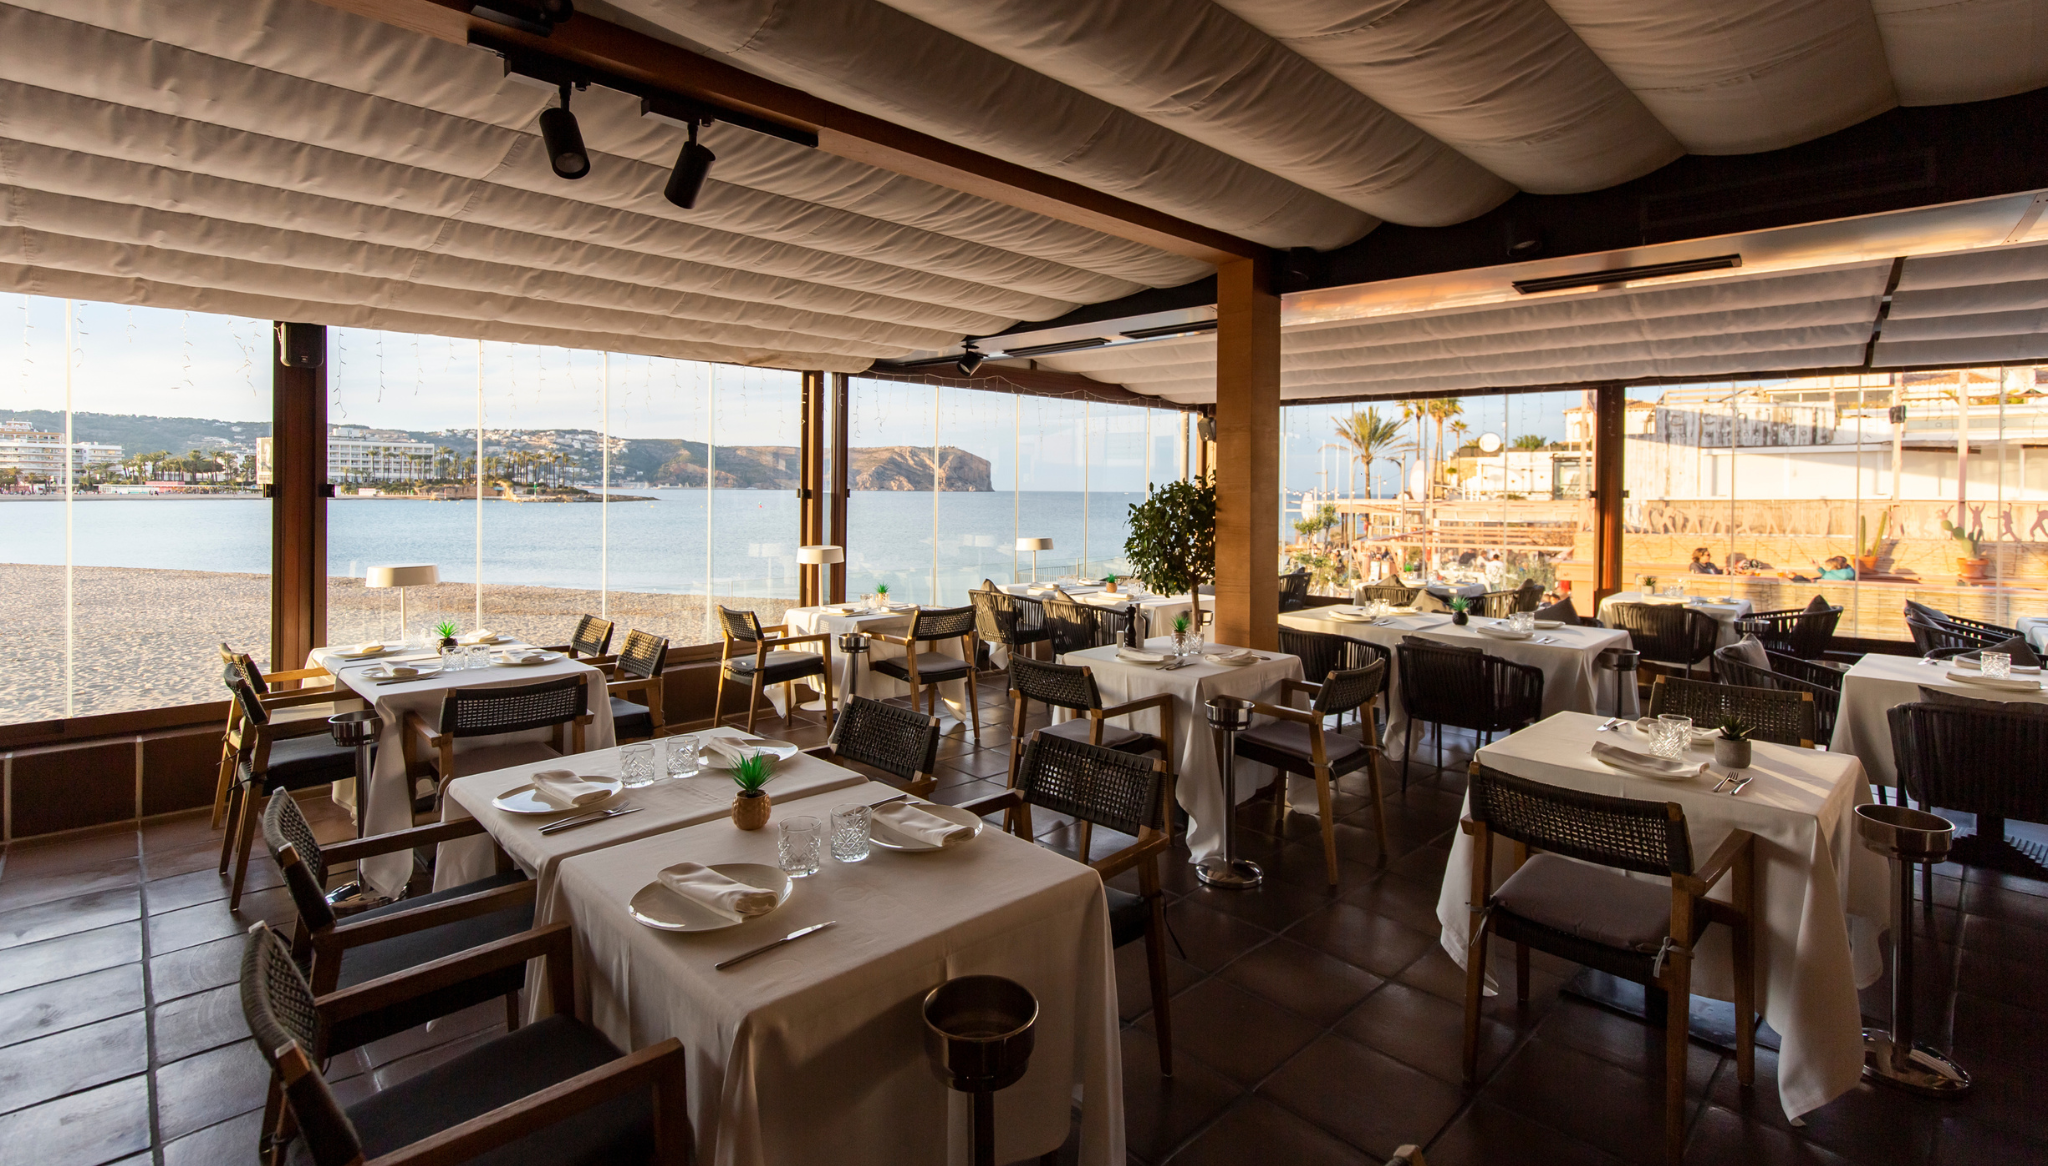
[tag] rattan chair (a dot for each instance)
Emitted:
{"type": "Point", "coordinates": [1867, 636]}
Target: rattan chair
{"type": "Point", "coordinates": [901, 742]}
{"type": "Point", "coordinates": [1803, 632]}
{"type": "Point", "coordinates": [1072, 687]}
{"type": "Point", "coordinates": [1673, 635]}
{"type": "Point", "coordinates": [767, 660]}
{"type": "Point", "coordinates": [1297, 741]}
{"type": "Point", "coordinates": [1112, 622]}
{"type": "Point", "coordinates": [1322, 653]}
{"type": "Point", "coordinates": [1294, 590]}
{"type": "Point", "coordinates": [924, 671]}
{"type": "Point", "coordinates": [1466, 689]}
{"type": "Point", "coordinates": [554, 1091]}
{"type": "Point", "coordinates": [1979, 758]}
{"type": "Point", "coordinates": [343, 942]}
{"type": "Point", "coordinates": [1496, 604]}
{"type": "Point", "coordinates": [1791, 674]}
{"type": "Point", "coordinates": [1001, 619]}
{"type": "Point", "coordinates": [314, 701]}
{"type": "Point", "coordinates": [1628, 928]}
{"type": "Point", "coordinates": [636, 691]}
{"type": "Point", "coordinates": [1397, 594]}
{"type": "Point", "coordinates": [1069, 627]}
{"type": "Point", "coordinates": [561, 705]}
{"type": "Point", "coordinates": [1118, 791]}
{"type": "Point", "coordinates": [1944, 634]}
{"type": "Point", "coordinates": [590, 641]}
{"type": "Point", "coordinates": [1780, 715]}
{"type": "Point", "coordinates": [269, 757]}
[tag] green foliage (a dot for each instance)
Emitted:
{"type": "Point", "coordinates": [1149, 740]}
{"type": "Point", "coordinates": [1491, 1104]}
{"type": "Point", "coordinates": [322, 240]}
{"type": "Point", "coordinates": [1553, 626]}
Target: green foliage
{"type": "Point", "coordinates": [1460, 603]}
{"type": "Point", "coordinates": [1325, 517]}
{"type": "Point", "coordinates": [446, 629]}
{"type": "Point", "coordinates": [1736, 729]}
{"type": "Point", "coordinates": [1531, 441]}
{"type": "Point", "coordinates": [1109, 581]}
{"type": "Point", "coordinates": [1172, 544]}
{"type": "Point", "coordinates": [881, 589]}
{"type": "Point", "coordinates": [1180, 625]}
{"type": "Point", "coordinates": [753, 772]}
{"type": "Point", "coordinates": [1968, 538]}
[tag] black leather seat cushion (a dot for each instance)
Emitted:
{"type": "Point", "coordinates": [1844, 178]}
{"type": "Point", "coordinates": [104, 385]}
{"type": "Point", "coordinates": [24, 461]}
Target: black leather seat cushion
{"type": "Point", "coordinates": [303, 762]}
{"type": "Point", "coordinates": [1129, 917]}
{"type": "Point", "coordinates": [498, 1073]}
{"type": "Point", "coordinates": [630, 719]}
{"type": "Point", "coordinates": [777, 667]}
{"type": "Point", "coordinates": [1290, 740]}
{"type": "Point", "coordinates": [1590, 903]}
{"type": "Point", "coordinates": [932, 667]}
{"type": "Point", "coordinates": [1113, 736]}
{"type": "Point", "coordinates": [361, 964]}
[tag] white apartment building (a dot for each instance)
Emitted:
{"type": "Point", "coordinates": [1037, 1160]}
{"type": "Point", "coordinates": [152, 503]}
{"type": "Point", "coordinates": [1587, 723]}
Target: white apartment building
{"type": "Point", "coordinates": [25, 448]}
{"type": "Point", "coordinates": [358, 454]}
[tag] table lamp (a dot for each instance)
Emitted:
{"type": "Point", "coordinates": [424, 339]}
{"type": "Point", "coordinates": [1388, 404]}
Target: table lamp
{"type": "Point", "coordinates": [817, 556]}
{"type": "Point", "coordinates": [402, 577]}
{"type": "Point", "coordinates": [1034, 545]}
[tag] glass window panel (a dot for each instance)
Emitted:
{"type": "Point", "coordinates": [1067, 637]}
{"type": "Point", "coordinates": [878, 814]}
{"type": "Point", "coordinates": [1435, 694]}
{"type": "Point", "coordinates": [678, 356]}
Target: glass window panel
{"type": "Point", "coordinates": [1116, 482]}
{"type": "Point", "coordinates": [657, 563]}
{"type": "Point", "coordinates": [756, 417]}
{"type": "Point", "coordinates": [978, 504]}
{"type": "Point", "coordinates": [1052, 476]}
{"type": "Point", "coordinates": [890, 517]}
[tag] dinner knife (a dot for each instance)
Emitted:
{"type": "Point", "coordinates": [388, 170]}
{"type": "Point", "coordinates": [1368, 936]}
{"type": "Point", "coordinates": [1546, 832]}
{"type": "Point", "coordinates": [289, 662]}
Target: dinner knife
{"type": "Point", "coordinates": [793, 936]}
{"type": "Point", "coordinates": [572, 823]}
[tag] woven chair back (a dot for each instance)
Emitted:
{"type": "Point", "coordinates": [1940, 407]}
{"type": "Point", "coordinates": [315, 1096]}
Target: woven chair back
{"type": "Point", "coordinates": [1981, 761]}
{"type": "Point", "coordinates": [1293, 590]}
{"type": "Point", "coordinates": [1067, 686]}
{"type": "Point", "coordinates": [899, 741]}
{"type": "Point", "coordinates": [1441, 683]}
{"type": "Point", "coordinates": [643, 657]}
{"type": "Point", "coordinates": [739, 625]}
{"type": "Point", "coordinates": [995, 616]}
{"type": "Point", "coordinates": [1497, 604]}
{"type": "Point", "coordinates": [1349, 688]}
{"type": "Point", "coordinates": [942, 623]}
{"type": "Point", "coordinates": [1789, 674]}
{"type": "Point", "coordinates": [1670, 632]}
{"type": "Point", "coordinates": [1398, 594]}
{"type": "Point", "coordinates": [1110, 623]}
{"type": "Point", "coordinates": [1321, 653]}
{"type": "Point", "coordinates": [1773, 714]}
{"type": "Point", "coordinates": [305, 880]}
{"type": "Point", "coordinates": [278, 1005]}
{"type": "Point", "coordinates": [1117, 790]}
{"type": "Point", "coordinates": [1646, 837]}
{"type": "Point", "coordinates": [1804, 632]}
{"type": "Point", "coordinates": [483, 712]}
{"type": "Point", "coordinates": [593, 636]}
{"type": "Point", "coordinates": [1070, 626]}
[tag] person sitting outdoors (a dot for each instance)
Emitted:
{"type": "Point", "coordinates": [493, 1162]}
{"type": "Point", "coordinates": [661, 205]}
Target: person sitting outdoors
{"type": "Point", "coordinates": [1703, 562]}
{"type": "Point", "coordinates": [1837, 567]}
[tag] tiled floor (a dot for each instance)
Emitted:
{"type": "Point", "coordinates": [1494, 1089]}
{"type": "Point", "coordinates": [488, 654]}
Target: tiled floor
{"type": "Point", "coordinates": [1311, 1025]}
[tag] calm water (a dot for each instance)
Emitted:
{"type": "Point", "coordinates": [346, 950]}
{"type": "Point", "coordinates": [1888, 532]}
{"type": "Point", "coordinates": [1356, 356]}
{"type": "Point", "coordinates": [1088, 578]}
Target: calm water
{"type": "Point", "coordinates": [654, 546]}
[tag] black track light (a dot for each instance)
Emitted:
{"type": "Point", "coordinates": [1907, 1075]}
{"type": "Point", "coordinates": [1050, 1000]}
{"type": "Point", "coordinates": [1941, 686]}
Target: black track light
{"type": "Point", "coordinates": [564, 140]}
{"type": "Point", "coordinates": [969, 360]}
{"type": "Point", "coordinates": [693, 166]}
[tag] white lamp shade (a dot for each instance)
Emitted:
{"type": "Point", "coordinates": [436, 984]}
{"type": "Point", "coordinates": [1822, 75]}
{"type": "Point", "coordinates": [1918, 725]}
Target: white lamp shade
{"type": "Point", "coordinates": [1034, 544]}
{"type": "Point", "coordinates": [415, 575]}
{"type": "Point", "coordinates": [822, 553]}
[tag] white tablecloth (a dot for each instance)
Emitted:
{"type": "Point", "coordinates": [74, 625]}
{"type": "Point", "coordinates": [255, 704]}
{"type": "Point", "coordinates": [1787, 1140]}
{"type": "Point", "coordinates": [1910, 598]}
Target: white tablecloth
{"type": "Point", "coordinates": [2035, 628]}
{"type": "Point", "coordinates": [1725, 614]}
{"type": "Point", "coordinates": [1199, 788]}
{"type": "Point", "coordinates": [807, 621]}
{"type": "Point", "coordinates": [666, 805]}
{"type": "Point", "coordinates": [1877, 683]}
{"type": "Point", "coordinates": [1821, 896]}
{"type": "Point", "coordinates": [390, 792]}
{"type": "Point", "coordinates": [815, 1052]}
{"type": "Point", "coordinates": [1571, 682]}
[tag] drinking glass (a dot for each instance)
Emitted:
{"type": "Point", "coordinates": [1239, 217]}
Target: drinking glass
{"type": "Point", "coordinates": [479, 657]}
{"type": "Point", "coordinates": [1997, 665]}
{"type": "Point", "coordinates": [1671, 736]}
{"type": "Point", "coordinates": [684, 759]}
{"type": "Point", "coordinates": [850, 825]}
{"type": "Point", "coordinates": [1522, 621]}
{"type": "Point", "coordinates": [454, 659]}
{"type": "Point", "coordinates": [636, 762]}
{"type": "Point", "coordinates": [797, 851]}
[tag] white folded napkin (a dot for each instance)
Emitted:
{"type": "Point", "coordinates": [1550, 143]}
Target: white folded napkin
{"type": "Point", "coordinates": [1232, 655]}
{"type": "Point", "coordinates": [363, 650]}
{"type": "Point", "coordinates": [919, 825]}
{"type": "Point", "coordinates": [482, 636]}
{"type": "Point", "coordinates": [723, 896]}
{"type": "Point", "coordinates": [1646, 764]}
{"type": "Point", "coordinates": [1501, 632]}
{"type": "Point", "coordinates": [725, 747]}
{"type": "Point", "coordinates": [564, 790]}
{"type": "Point", "coordinates": [1139, 656]}
{"type": "Point", "coordinates": [2003, 684]}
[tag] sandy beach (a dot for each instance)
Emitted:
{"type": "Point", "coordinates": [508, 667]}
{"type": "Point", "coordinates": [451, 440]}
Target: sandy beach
{"type": "Point", "coordinates": [146, 639]}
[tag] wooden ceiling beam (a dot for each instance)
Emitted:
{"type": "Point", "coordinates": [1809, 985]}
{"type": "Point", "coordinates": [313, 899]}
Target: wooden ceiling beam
{"type": "Point", "coordinates": [598, 44]}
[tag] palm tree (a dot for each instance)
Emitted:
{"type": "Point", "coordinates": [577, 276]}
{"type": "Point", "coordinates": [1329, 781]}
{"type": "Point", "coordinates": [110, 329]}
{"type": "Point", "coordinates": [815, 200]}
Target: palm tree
{"type": "Point", "coordinates": [1441, 410]}
{"type": "Point", "coordinates": [1370, 436]}
{"type": "Point", "coordinates": [1531, 441]}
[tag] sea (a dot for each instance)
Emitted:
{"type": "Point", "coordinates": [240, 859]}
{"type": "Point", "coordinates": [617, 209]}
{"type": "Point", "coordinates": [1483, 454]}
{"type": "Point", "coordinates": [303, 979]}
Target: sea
{"type": "Point", "coordinates": [928, 548]}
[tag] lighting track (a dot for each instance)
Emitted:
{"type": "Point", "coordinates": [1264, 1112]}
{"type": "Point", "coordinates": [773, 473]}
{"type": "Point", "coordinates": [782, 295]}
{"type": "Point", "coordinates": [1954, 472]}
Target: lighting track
{"type": "Point", "coordinates": [1616, 275]}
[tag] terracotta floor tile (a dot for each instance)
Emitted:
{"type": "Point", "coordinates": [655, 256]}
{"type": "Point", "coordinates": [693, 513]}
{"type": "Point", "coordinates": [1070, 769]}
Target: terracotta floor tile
{"type": "Point", "coordinates": [172, 931]}
{"type": "Point", "coordinates": [234, 1140]}
{"type": "Point", "coordinates": [23, 888]}
{"type": "Point", "coordinates": [204, 1020]}
{"type": "Point", "coordinates": [1320, 988]}
{"type": "Point", "coordinates": [1591, 1100]}
{"type": "Point", "coordinates": [195, 969]}
{"type": "Point", "coordinates": [1162, 1113]}
{"type": "Point", "coordinates": [1234, 1032]}
{"type": "Point", "coordinates": [1210, 937]}
{"type": "Point", "coordinates": [1427, 1032]}
{"type": "Point", "coordinates": [1357, 936]}
{"type": "Point", "coordinates": [1488, 1135]}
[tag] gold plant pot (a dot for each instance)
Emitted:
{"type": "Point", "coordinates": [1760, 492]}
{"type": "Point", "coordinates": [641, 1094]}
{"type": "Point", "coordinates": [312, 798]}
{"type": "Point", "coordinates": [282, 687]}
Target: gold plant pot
{"type": "Point", "coordinates": [750, 810]}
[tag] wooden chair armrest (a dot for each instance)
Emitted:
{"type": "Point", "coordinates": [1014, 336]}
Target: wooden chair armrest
{"type": "Point", "coordinates": [297, 697]}
{"type": "Point", "coordinates": [774, 642]}
{"type": "Point", "coordinates": [1468, 826]}
{"type": "Point", "coordinates": [1160, 701]}
{"type": "Point", "coordinates": [312, 673]}
{"type": "Point", "coordinates": [638, 683]}
{"type": "Point", "coordinates": [983, 807]}
{"type": "Point", "coordinates": [415, 723]}
{"type": "Point", "coordinates": [351, 849]}
{"type": "Point", "coordinates": [508, 1123]}
{"type": "Point", "coordinates": [357, 932]}
{"type": "Point", "coordinates": [1289, 686]}
{"type": "Point", "coordinates": [900, 641]}
{"type": "Point", "coordinates": [553, 941]}
{"type": "Point", "coordinates": [1698, 883]}
{"type": "Point", "coordinates": [1149, 843]}
{"type": "Point", "coordinates": [295, 729]}
{"type": "Point", "coordinates": [1286, 714]}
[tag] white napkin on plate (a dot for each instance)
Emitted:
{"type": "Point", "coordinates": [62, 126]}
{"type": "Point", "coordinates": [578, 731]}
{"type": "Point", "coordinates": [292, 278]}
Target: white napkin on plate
{"type": "Point", "coordinates": [919, 825]}
{"type": "Point", "coordinates": [728, 898]}
{"type": "Point", "coordinates": [1646, 764]}
{"type": "Point", "coordinates": [1233, 655]}
{"type": "Point", "coordinates": [363, 650]}
{"type": "Point", "coordinates": [2004, 684]}
{"type": "Point", "coordinates": [727, 749]}
{"type": "Point", "coordinates": [481, 636]}
{"type": "Point", "coordinates": [1501, 632]}
{"type": "Point", "coordinates": [1139, 656]}
{"type": "Point", "coordinates": [564, 790]}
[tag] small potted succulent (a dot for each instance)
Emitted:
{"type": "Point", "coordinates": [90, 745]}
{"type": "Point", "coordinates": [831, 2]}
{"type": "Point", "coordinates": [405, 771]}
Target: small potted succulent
{"type": "Point", "coordinates": [881, 596]}
{"type": "Point", "coordinates": [1461, 610]}
{"type": "Point", "coordinates": [1731, 748]}
{"type": "Point", "coordinates": [446, 629]}
{"type": "Point", "coordinates": [1109, 585]}
{"type": "Point", "coordinates": [1184, 639]}
{"type": "Point", "coordinates": [750, 806]}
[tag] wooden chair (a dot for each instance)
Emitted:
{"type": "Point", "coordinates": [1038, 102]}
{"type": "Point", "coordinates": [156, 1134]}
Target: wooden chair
{"type": "Point", "coordinates": [1072, 687]}
{"type": "Point", "coordinates": [553, 1091]}
{"type": "Point", "coordinates": [1983, 757]}
{"type": "Point", "coordinates": [561, 704]}
{"type": "Point", "coordinates": [1000, 619]}
{"type": "Point", "coordinates": [1673, 635]}
{"type": "Point", "coordinates": [1069, 626]}
{"type": "Point", "coordinates": [1294, 590]}
{"type": "Point", "coordinates": [1397, 594]}
{"type": "Point", "coordinates": [1322, 653]}
{"type": "Point", "coordinates": [925, 671]}
{"type": "Point", "coordinates": [1122, 792]}
{"type": "Point", "coordinates": [1496, 604]}
{"type": "Point", "coordinates": [301, 702]}
{"type": "Point", "coordinates": [1628, 928]}
{"type": "Point", "coordinates": [269, 757]}
{"type": "Point", "coordinates": [1297, 741]}
{"type": "Point", "coordinates": [1465, 688]}
{"type": "Point", "coordinates": [769, 662]}
{"type": "Point", "coordinates": [636, 674]}
{"type": "Point", "coordinates": [1791, 674]}
{"type": "Point", "coordinates": [1783, 716]}
{"type": "Point", "coordinates": [901, 742]}
{"type": "Point", "coordinates": [591, 639]}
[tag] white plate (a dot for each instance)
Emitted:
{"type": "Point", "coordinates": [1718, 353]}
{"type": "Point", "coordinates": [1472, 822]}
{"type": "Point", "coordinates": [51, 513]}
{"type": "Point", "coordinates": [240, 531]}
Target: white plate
{"type": "Point", "coordinates": [390, 672]}
{"type": "Point", "coordinates": [1549, 625]}
{"type": "Point", "coordinates": [887, 839]}
{"type": "Point", "coordinates": [1220, 662]}
{"type": "Point", "coordinates": [528, 660]}
{"type": "Point", "coordinates": [664, 910]}
{"type": "Point", "coordinates": [1349, 617]}
{"type": "Point", "coordinates": [365, 652]}
{"type": "Point", "coordinates": [1142, 659]}
{"type": "Point", "coordinates": [524, 800]}
{"type": "Point", "coordinates": [1978, 666]}
{"type": "Point", "coordinates": [780, 750]}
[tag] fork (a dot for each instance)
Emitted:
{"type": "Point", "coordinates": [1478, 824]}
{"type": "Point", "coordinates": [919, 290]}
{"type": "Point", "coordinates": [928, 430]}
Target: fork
{"type": "Point", "coordinates": [1741, 785]}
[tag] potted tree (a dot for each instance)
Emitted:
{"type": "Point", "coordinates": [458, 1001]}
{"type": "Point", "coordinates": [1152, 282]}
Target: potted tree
{"type": "Point", "coordinates": [1172, 544]}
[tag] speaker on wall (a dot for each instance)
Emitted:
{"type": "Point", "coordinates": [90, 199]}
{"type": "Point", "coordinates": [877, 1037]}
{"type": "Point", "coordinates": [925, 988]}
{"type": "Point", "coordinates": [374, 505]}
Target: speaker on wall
{"type": "Point", "coordinates": [301, 345]}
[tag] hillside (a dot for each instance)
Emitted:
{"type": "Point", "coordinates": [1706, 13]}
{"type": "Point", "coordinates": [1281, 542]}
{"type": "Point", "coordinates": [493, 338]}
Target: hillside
{"type": "Point", "coordinates": [141, 434]}
{"type": "Point", "coordinates": [909, 467]}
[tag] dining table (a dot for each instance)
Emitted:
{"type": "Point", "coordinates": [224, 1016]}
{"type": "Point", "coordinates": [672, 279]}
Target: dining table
{"type": "Point", "coordinates": [1568, 656]}
{"type": "Point", "coordinates": [1198, 780]}
{"type": "Point", "coordinates": [1821, 896]}
{"type": "Point", "coordinates": [815, 1051]}
{"type": "Point", "coordinates": [1877, 682]}
{"type": "Point", "coordinates": [391, 788]}
{"type": "Point", "coordinates": [893, 620]}
{"type": "Point", "coordinates": [1727, 610]}
{"type": "Point", "coordinates": [1160, 610]}
{"type": "Point", "coordinates": [2035, 629]}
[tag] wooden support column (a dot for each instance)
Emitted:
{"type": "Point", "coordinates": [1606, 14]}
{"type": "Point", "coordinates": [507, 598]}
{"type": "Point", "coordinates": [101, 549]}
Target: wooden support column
{"type": "Point", "coordinates": [298, 493]}
{"type": "Point", "coordinates": [838, 475]}
{"type": "Point", "coordinates": [811, 486]}
{"type": "Point", "coordinates": [1247, 466]}
{"type": "Point", "coordinates": [1610, 494]}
